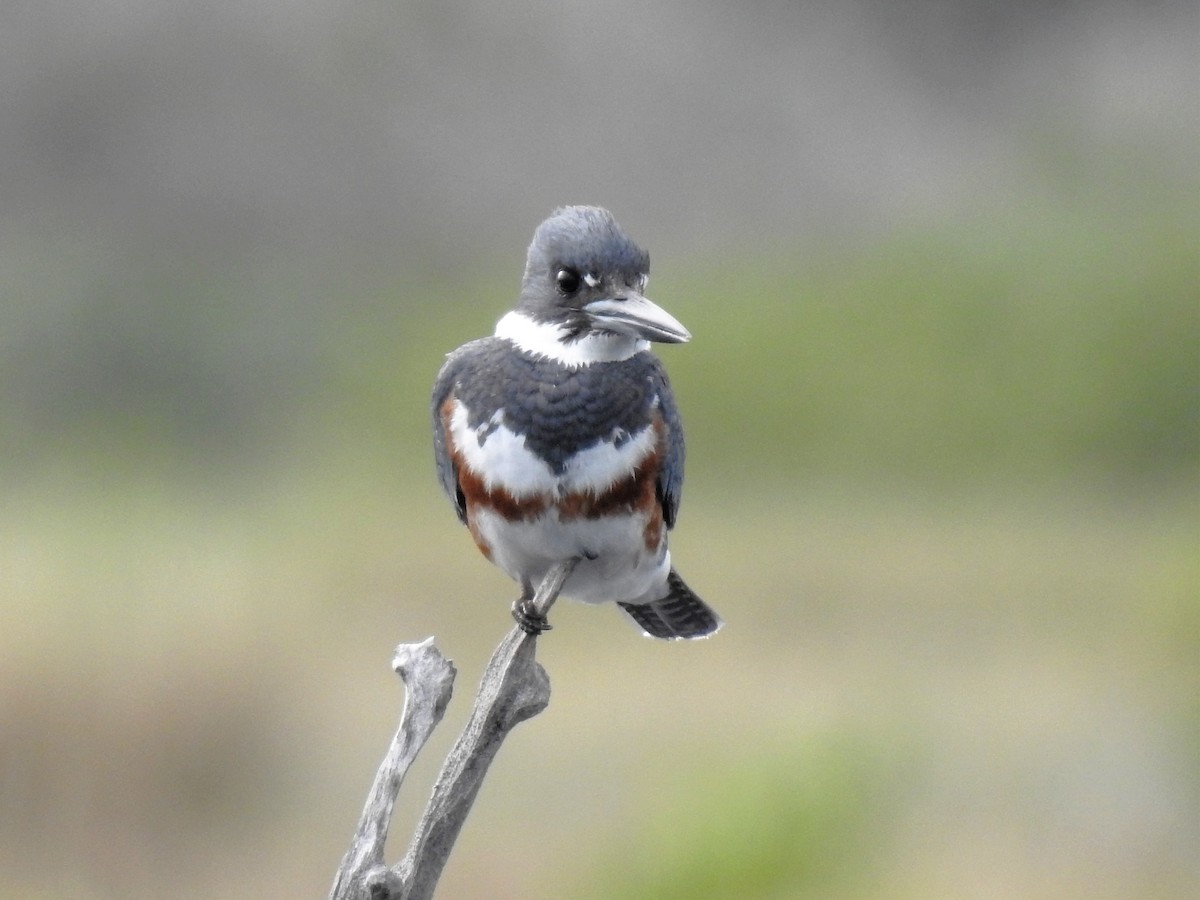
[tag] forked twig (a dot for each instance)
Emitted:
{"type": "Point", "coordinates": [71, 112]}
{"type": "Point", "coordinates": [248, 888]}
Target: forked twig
{"type": "Point", "coordinates": [514, 688]}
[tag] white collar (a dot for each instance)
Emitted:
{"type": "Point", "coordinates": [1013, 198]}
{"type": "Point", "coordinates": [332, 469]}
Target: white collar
{"type": "Point", "coordinates": [546, 339]}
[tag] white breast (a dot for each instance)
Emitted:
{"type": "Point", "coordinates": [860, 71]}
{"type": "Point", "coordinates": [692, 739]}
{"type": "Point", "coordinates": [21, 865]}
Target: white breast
{"type": "Point", "coordinates": [503, 461]}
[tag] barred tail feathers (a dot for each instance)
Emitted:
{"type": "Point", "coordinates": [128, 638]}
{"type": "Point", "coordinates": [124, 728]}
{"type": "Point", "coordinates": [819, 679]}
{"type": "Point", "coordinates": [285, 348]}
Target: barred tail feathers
{"type": "Point", "coordinates": [680, 614]}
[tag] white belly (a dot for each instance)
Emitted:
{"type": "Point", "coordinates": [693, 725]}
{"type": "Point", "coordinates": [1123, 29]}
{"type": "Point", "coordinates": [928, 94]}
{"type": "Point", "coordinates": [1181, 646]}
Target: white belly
{"type": "Point", "coordinates": [615, 562]}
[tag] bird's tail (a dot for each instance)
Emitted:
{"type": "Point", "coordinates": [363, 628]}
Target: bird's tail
{"type": "Point", "coordinates": [680, 614]}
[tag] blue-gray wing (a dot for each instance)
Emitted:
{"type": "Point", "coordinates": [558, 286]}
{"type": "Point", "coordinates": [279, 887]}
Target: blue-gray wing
{"type": "Point", "coordinates": [670, 473]}
{"type": "Point", "coordinates": [443, 393]}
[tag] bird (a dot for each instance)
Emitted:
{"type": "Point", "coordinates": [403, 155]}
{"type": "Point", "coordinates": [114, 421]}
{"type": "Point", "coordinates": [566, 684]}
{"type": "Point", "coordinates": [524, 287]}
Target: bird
{"type": "Point", "coordinates": [558, 438]}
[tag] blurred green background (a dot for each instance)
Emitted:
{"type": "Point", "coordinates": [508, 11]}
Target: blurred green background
{"type": "Point", "coordinates": [942, 265]}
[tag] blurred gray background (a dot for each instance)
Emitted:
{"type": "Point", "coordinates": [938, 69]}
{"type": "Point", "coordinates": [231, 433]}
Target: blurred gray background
{"type": "Point", "coordinates": [941, 263]}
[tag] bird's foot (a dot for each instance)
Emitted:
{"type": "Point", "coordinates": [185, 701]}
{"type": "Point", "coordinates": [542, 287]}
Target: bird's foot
{"type": "Point", "coordinates": [528, 618]}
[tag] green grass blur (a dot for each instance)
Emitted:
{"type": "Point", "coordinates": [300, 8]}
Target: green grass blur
{"type": "Point", "coordinates": [942, 485]}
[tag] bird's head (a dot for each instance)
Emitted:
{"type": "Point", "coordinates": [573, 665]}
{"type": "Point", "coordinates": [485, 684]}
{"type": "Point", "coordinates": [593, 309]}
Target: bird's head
{"type": "Point", "coordinates": [586, 278]}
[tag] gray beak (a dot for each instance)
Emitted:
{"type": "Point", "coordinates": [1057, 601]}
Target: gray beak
{"type": "Point", "coordinates": [638, 317]}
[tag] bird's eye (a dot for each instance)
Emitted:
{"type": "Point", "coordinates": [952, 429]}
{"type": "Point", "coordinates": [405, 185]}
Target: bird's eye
{"type": "Point", "coordinates": [568, 281]}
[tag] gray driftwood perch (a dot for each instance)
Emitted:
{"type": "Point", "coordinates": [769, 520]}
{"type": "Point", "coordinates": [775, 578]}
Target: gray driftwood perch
{"type": "Point", "coordinates": [514, 688]}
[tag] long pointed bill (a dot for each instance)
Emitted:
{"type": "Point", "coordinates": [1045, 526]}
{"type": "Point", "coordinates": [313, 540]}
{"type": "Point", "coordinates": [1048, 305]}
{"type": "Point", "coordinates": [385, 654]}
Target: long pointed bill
{"type": "Point", "coordinates": [638, 317]}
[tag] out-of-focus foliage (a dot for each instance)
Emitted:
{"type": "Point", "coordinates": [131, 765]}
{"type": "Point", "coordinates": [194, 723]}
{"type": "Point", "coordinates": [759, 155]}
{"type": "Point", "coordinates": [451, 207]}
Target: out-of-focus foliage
{"type": "Point", "coordinates": [1031, 347]}
{"type": "Point", "coordinates": [791, 824]}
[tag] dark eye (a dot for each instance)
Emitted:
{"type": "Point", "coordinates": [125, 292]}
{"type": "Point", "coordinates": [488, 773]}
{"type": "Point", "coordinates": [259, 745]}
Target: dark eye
{"type": "Point", "coordinates": [568, 281]}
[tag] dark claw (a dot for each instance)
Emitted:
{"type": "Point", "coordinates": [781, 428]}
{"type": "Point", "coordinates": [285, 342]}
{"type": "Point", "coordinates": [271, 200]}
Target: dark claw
{"type": "Point", "coordinates": [528, 618]}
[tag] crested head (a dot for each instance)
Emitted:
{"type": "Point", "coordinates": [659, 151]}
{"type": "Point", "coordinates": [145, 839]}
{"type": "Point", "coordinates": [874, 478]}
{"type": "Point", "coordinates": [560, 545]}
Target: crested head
{"type": "Point", "coordinates": [582, 297]}
{"type": "Point", "coordinates": [586, 240]}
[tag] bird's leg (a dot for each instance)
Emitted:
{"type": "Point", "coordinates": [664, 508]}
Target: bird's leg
{"type": "Point", "coordinates": [531, 609]}
{"type": "Point", "coordinates": [525, 612]}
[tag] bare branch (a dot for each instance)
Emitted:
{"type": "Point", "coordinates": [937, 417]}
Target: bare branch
{"type": "Point", "coordinates": [514, 688]}
{"type": "Point", "coordinates": [429, 677]}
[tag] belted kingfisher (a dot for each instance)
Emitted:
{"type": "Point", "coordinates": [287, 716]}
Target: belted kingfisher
{"type": "Point", "coordinates": [558, 437]}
